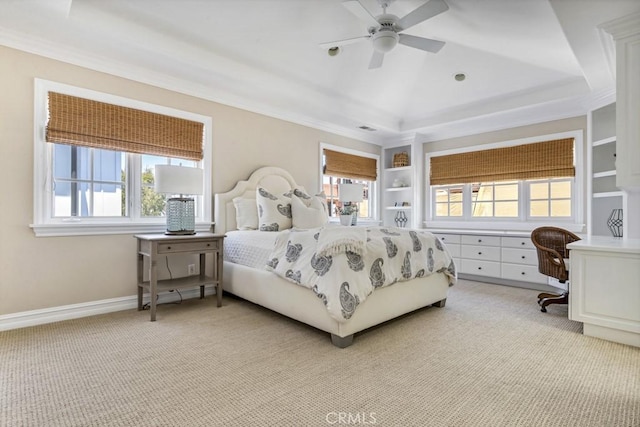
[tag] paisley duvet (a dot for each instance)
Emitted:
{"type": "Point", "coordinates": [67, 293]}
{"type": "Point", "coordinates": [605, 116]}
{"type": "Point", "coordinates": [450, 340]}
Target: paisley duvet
{"type": "Point", "coordinates": [342, 275]}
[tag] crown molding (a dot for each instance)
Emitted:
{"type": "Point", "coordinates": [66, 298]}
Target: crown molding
{"type": "Point", "coordinates": [626, 26]}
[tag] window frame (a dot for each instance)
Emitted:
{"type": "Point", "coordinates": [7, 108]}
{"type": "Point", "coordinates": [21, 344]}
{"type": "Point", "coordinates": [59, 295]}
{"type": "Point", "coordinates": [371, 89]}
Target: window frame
{"type": "Point", "coordinates": [524, 221]}
{"type": "Point", "coordinates": [374, 189]}
{"type": "Point", "coordinates": [45, 225]}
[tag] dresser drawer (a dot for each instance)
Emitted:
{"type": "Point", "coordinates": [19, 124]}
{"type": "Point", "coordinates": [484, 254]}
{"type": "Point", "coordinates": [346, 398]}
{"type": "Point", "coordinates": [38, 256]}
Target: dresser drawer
{"type": "Point", "coordinates": [188, 246]}
{"type": "Point", "coordinates": [524, 273]}
{"type": "Point", "coordinates": [480, 268]}
{"type": "Point", "coordinates": [448, 238]}
{"type": "Point", "coordinates": [481, 240]}
{"type": "Point", "coordinates": [488, 253]}
{"type": "Point", "coordinates": [517, 242]}
{"type": "Point", "coordinates": [454, 250]}
{"type": "Point", "coordinates": [520, 256]}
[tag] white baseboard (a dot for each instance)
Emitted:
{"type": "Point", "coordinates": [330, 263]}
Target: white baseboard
{"type": "Point", "coordinates": [92, 308]}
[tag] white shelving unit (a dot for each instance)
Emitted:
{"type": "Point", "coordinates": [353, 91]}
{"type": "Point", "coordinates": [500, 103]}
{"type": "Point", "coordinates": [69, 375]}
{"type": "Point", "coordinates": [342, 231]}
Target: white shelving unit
{"type": "Point", "coordinates": [398, 188]}
{"type": "Point", "coordinates": [605, 196]}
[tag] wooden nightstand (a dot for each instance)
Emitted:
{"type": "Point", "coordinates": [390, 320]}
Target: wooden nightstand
{"type": "Point", "coordinates": [155, 245]}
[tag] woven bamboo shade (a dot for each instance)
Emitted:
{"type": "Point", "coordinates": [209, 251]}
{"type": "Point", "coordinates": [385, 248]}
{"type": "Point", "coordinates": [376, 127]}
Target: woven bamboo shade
{"type": "Point", "coordinates": [79, 121]}
{"type": "Point", "coordinates": [548, 159]}
{"type": "Point", "coordinates": [350, 166]}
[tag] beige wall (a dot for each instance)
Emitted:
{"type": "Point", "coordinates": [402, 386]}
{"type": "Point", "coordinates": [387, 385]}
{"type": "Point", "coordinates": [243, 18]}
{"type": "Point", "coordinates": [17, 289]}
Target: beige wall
{"type": "Point", "coordinates": [546, 128]}
{"type": "Point", "coordinates": [44, 272]}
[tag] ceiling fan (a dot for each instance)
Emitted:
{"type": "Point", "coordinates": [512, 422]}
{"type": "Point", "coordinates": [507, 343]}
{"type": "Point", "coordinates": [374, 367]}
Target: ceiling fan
{"type": "Point", "coordinates": [385, 30]}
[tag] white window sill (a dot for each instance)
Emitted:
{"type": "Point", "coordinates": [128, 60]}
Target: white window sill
{"type": "Point", "coordinates": [501, 226]}
{"type": "Point", "coordinates": [94, 229]}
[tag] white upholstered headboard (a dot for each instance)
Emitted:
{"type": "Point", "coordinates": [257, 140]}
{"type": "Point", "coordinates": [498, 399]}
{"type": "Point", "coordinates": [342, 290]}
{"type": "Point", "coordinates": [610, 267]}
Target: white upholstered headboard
{"type": "Point", "coordinates": [271, 178]}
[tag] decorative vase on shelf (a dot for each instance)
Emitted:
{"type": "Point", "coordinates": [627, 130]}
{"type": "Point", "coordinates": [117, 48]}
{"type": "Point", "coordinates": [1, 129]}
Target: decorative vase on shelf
{"type": "Point", "coordinates": [401, 219]}
{"type": "Point", "coordinates": [615, 222]}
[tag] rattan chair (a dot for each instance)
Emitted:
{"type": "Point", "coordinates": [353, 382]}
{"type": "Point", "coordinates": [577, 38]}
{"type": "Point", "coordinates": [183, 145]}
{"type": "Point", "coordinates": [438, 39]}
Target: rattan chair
{"type": "Point", "coordinates": [553, 255]}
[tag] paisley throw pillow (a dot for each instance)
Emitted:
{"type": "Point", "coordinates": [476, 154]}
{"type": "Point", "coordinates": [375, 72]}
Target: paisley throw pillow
{"type": "Point", "coordinates": [274, 211]}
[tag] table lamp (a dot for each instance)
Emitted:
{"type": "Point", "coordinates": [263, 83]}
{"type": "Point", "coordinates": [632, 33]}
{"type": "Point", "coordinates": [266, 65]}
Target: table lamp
{"type": "Point", "coordinates": [180, 181]}
{"type": "Point", "coordinates": [351, 194]}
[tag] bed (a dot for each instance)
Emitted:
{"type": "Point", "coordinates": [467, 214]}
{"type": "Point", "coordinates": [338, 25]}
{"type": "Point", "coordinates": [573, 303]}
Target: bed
{"type": "Point", "coordinates": [264, 287]}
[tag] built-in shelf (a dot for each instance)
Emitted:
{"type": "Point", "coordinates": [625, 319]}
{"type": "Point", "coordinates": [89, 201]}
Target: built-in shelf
{"type": "Point", "coordinates": [398, 185]}
{"type": "Point", "coordinates": [399, 169]}
{"type": "Point", "coordinates": [604, 192]}
{"type": "Point", "coordinates": [607, 194]}
{"type": "Point", "coordinates": [604, 141]}
{"type": "Point", "coordinates": [604, 174]}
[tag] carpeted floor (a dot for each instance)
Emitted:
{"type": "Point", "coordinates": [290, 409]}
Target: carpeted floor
{"type": "Point", "coordinates": [489, 358]}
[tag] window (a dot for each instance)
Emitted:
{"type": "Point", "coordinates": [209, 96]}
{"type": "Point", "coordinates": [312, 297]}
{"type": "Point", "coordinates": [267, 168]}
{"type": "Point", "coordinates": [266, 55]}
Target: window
{"type": "Point", "coordinates": [532, 182]}
{"type": "Point", "coordinates": [84, 185]}
{"type": "Point", "coordinates": [342, 166]}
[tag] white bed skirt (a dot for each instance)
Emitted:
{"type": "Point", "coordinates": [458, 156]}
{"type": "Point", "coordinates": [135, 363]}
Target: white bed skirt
{"type": "Point", "coordinates": [297, 302]}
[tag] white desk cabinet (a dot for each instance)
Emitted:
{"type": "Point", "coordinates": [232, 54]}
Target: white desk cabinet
{"type": "Point", "coordinates": [605, 288]}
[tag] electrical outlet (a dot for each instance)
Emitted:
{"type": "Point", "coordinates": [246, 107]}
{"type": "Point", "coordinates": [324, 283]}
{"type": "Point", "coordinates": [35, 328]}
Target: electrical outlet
{"type": "Point", "coordinates": [192, 269]}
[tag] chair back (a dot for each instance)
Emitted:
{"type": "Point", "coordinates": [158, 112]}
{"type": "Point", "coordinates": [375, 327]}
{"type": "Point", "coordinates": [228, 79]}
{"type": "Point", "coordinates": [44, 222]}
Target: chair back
{"type": "Point", "coordinates": [551, 245]}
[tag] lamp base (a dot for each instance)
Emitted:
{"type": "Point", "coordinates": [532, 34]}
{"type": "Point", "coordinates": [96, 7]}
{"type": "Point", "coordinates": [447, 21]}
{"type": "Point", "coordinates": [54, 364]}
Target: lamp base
{"type": "Point", "coordinates": [180, 216]}
{"type": "Point", "coordinates": [180, 233]}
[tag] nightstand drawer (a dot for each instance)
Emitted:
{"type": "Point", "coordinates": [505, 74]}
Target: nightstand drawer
{"type": "Point", "coordinates": [176, 247]}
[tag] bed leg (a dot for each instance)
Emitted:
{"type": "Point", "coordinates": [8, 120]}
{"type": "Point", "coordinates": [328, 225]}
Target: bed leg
{"type": "Point", "coordinates": [342, 342]}
{"type": "Point", "coordinates": [440, 303]}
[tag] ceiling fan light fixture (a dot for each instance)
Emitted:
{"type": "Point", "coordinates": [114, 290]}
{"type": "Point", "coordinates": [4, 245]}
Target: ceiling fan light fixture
{"type": "Point", "coordinates": [385, 40]}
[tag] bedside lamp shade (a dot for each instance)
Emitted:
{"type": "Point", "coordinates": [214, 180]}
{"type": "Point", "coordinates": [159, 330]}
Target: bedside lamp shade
{"type": "Point", "coordinates": [180, 181]}
{"type": "Point", "coordinates": [351, 192]}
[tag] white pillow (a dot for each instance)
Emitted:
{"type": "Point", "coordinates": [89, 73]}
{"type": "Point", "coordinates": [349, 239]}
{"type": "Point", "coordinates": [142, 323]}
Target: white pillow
{"type": "Point", "coordinates": [307, 199]}
{"type": "Point", "coordinates": [308, 213]}
{"type": "Point", "coordinates": [274, 212]}
{"type": "Point", "coordinates": [246, 213]}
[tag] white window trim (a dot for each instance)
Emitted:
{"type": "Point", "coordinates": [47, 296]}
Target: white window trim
{"type": "Point", "coordinates": [44, 226]}
{"type": "Point", "coordinates": [576, 224]}
{"type": "Point", "coordinates": [374, 204]}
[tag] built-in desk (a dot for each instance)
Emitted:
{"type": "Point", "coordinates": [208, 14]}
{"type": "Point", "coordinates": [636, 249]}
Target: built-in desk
{"type": "Point", "coordinates": [605, 288]}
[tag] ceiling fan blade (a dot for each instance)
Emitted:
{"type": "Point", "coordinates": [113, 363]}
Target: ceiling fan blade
{"type": "Point", "coordinates": [376, 60]}
{"type": "Point", "coordinates": [421, 43]}
{"type": "Point", "coordinates": [329, 45]}
{"type": "Point", "coordinates": [422, 13]}
{"type": "Point", "coordinates": [355, 7]}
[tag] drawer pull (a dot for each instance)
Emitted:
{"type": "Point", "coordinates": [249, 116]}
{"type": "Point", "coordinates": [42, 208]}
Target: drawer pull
{"type": "Point", "coordinates": [523, 273]}
{"type": "Point", "coordinates": [479, 240]}
{"type": "Point", "coordinates": [209, 244]}
{"type": "Point", "coordinates": [523, 257]}
{"type": "Point", "coordinates": [479, 268]}
{"type": "Point", "coordinates": [479, 253]}
{"type": "Point", "coordinates": [168, 248]}
{"type": "Point", "coordinates": [523, 243]}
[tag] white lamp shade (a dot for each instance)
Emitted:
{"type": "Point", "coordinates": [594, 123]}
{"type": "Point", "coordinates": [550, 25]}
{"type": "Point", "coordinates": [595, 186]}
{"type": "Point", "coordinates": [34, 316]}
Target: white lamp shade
{"type": "Point", "coordinates": [351, 192]}
{"type": "Point", "coordinates": [178, 180]}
